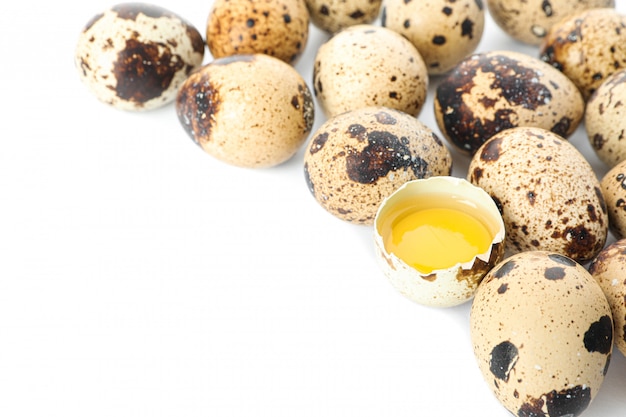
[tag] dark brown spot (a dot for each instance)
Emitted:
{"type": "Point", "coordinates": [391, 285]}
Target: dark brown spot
{"type": "Point", "coordinates": [546, 7]}
{"type": "Point", "coordinates": [554, 273]}
{"type": "Point", "coordinates": [357, 14]}
{"type": "Point", "coordinates": [406, 24]}
{"type": "Point", "coordinates": [599, 336]}
{"type": "Point", "coordinates": [504, 269]}
{"type": "Point", "coordinates": [318, 142]}
{"type": "Point", "coordinates": [491, 151]}
{"type": "Point", "coordinates": [144, 70]}
{"type": "Point", "coordinates": [447, 11]}
{"type": "Point", "coordinates": [531, 197]}
{"type": "Point", "coordinates": [467, 28]}
{"type": "Point", "coordinates": [383, 153]}
{"type": "Point", "coordinates": [502, 289]}
{"type": "Point", "coordinates": [562, 127]}
{"type": "Point", "coordinates": [580, 241]}
{"type": "Point", "coordinates": [197, 103]}
{"type": "Point", "coordinates": [286, 18]}
{"type": "Point", "coordinates": [503, 359]}
{"type": "Point", "coordinates": [516, 83]}
{"type": "Point", "coordinates": [250, 23]}
{"type": "Point", "coordinates": [439, 39]}
{"type": "Point", "coordinates": [598, 141]}
{"type": "Point", "coordinates": [477, 174]}
{"type": "Point", "coordinates": [357, 131]}
{"type": "Point", "coordinates": [324, 10]}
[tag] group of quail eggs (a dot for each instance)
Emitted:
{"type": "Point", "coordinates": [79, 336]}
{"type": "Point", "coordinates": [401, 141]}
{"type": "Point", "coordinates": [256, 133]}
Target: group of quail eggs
{"type": "Point", "coordinates": [547, 313]}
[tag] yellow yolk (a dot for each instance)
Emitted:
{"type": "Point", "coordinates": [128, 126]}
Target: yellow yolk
{"type": "Point", "coordinates": [437, 238]}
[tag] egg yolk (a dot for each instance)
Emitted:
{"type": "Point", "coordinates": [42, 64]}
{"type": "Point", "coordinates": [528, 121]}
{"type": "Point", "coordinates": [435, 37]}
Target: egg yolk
{"type": "Point", "coordinates": [437, 238]}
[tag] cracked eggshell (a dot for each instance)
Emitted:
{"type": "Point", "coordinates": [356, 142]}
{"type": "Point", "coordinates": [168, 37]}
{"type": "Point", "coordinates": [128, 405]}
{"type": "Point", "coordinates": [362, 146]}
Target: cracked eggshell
{"type": "Point", "coordinates": [605, 119]}
{"type": "Point", "coordinates": [444, 32]}
{"type": "Point", "coordinates": [548, 193]}
{"type": "Point", "coordinates": [335, 15]}
{"type": "Point", "coordinates": [542, 334]}
{"type": "Point", "coordinates": [357, 158]}
{"type": "Point", "coordinates": [279, 28]}
{"type": "Point", "coordinates": [613, 186]}
{"type": "Point", "coordinates": [609, 270]}
{"type": "Point", "coordinates": [529, 21]}
{"type": "Point", "coordinates": [134, 56]}
{"type": "Point", "coordinates": [442, 287]}
{"type": "Point", "coordinates": [367, 65]}
{"type": "Point", "coordinates": [587, 47]}
{"type": "Point", "coordinates": [252, 111]}
{"type": "Point", "coordinates": [493, 91]}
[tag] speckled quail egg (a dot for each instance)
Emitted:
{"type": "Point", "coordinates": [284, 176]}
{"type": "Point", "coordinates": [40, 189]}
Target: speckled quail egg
{"type": "Point", "coordinates": [587, 47]}
{"type": "Point", "coordinates": [609, 270]}
{"type": "Point", "coordinates": [279, 28]}
{"type": "Point", "coordinates": [444, 32]}
{"type": "Point", "coordinates": [357, 158]}
{"type": "Point", "coordinates": [605, 119]}
{"type": "Point", "coordinates": [613, 186]}
{"type": "Point", "coordinates": [542, 334]}
{"type": "Point", "coordinates": [251, 111]}
{"type": "Point", "coordinates": [548, 193]}
{"type": "Point", "coordinates": [435, 239]}
{"type": "Point", "coordinates": [492, 91]}
{"type": "Point", "coordinates": [335, 15]}
{"type": "Point", "coordinates": [134, 56]}
{"type": "Point", "coordinates": [366, 65]}
{"type": "Point", "coordinates": [528, 21]}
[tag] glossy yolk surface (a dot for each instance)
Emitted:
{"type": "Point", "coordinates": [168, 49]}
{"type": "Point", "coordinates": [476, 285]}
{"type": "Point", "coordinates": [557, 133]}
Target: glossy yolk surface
{"type": "Point", "coordinates": [437, 238]}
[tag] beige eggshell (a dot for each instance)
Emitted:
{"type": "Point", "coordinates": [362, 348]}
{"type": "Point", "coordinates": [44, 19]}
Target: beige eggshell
{"type": "Point", "coordinates": [444, 32]}
{"type": "Point", "coordinates": [335, 15]}
{"type": "Point", "coordinates": [250, 111]}
{"type": "Point", "coordinates": [605, 119]}
{"type": "Point", "coordinates": [609, 270]}
{"type": "Point", "coordinates": [357, 158]}
{"type": "Point", "coordinates": [548, 193]}
{"type": "Point", "coordinates": [366, 65]}
{"type": "Point", "coordinates": [587, 47]}
{"type": "Point", "coordinates": [442, 287]}
{"type": "Point", "coordinates": [542, 334]}
{"type": "Point", "coordinates": [613, 186]}
{"type": "Point", "coordinates": [279, 28]}
{"type": "Point", "coordinates": [493, 91]}
{"type": "Point", "coordinates": [134, 56]}
{"type": "Point", "coordinates": [529, 21]}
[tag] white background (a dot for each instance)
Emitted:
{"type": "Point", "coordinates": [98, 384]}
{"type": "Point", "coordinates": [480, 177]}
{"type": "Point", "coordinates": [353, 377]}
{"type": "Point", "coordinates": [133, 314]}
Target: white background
{"type": "Point", "coordinates": [141, 277]}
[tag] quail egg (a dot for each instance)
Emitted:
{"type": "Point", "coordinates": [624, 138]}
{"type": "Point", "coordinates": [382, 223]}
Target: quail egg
{"type": "Point", "coordinates": [548, 193]}
{"type": "Point", "coordinates": [613, 185]}
{"type": "Point", "coordinates": [357, 158]}
{"type": "Point", "coordinates": [335, 15]}
{"type": "Point", "coordinates": [609, 270]}
{"type": "Point", "coordinates": [250, 111]}
{"type": "Point", "coordinates": [493, 91]}
{"type": "Point", "coordinates": [134, 56]}
{"type": "Point", "coordinates": [587, 47]}
{"type": "Point", "coordinates": [605, 119]}
{"type": "Point", "coordinates": [366, 65]}
{"type": "Point", "coordinates": [542, 334]}
{"type": "Point", "coordinates": [279, 28]}
{"type": "Point", "coordinates": [444, 32]}
{"type": "Point", "coordinates": [528, 21]}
